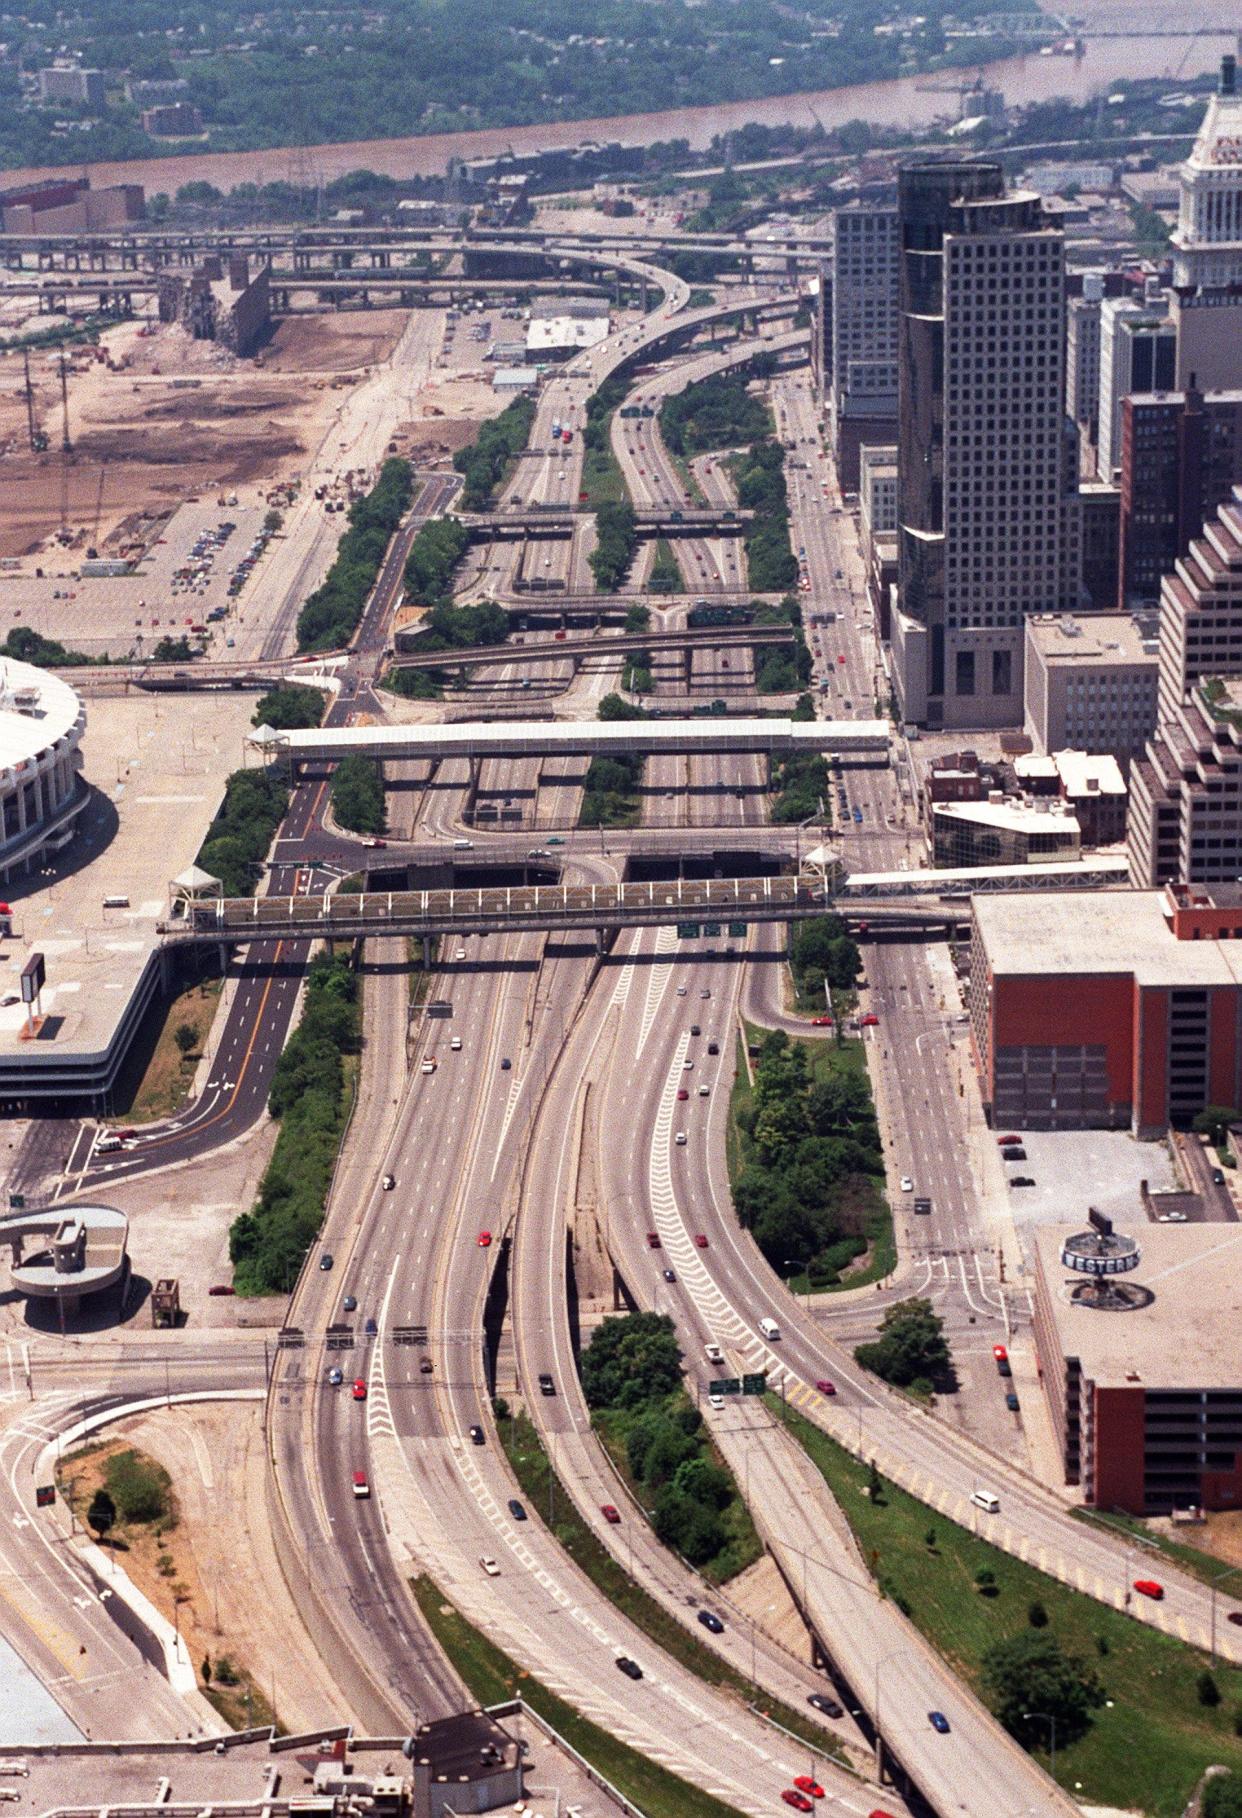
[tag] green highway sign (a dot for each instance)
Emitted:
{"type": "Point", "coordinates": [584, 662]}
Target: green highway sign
{"type": "Point", "coordinates": [726, 1385]}
{"type": "Point", "coordinates": [711, 927]}
{"type": "Point", "coordinates": [737, 930]}
{"type": "Point", "coordinates": [756, 1384]}
{"type": "Point", "coordinates": [688, 931]}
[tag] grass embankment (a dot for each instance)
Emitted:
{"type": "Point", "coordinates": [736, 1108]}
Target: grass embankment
{"type": "Point", "coordinates": [850, 1217]}
{"type": "Point", "coordinates": [493, 1678]}
{"type": "Point", "coordinates": [602, 479]}
{"type": "Point", "coordinates": [330, 615]}
{"type": "Point", "coordinates": [157, 1555]}
{"type": "Point", "coordinates": [255, 803]}
{"type": "Point", "coordinates": [1149, 1747]}
{"type": "Point", "coordinates": [489, 460]}
{"type": "Point", "coordinates": [525, 1453]}
{"type": "Point", "coordinates": [610, 792]}
{"type": "Point", "coordinates": [665, 576]}
{"type": "Point", "coordinates": [164, 1083]}
{"type": "Point", "coordinates": [310, 1096]}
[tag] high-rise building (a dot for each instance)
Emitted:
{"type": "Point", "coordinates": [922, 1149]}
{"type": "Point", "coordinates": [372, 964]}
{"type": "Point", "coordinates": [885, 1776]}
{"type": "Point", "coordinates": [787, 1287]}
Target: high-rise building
{"type": "Point", "coordinates": [1138, 354]}
{"type": "Point", "coordinates": [986, 526]}
{"type": "Point", "coordinates": [1207, 247]}
{"type": "Point", "coordinates": [1181, 457]}
{"type": "Point", "coordinates": [82, 87]}
{"type": "Point", "coordinates": [1207, 242]}
{"type": "Point", "coordinates": [1082, 355]}
{"type": "Point", "coordinates": [1185, 823]}
{"type": "Point", "coordinates": [864, 331]}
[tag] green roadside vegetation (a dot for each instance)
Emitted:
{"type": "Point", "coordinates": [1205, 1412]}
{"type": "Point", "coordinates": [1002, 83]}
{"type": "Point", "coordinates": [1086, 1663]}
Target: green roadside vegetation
{"type": "Point", "coordinates": [616, 539]}
{"type": "Point", "coordinates": [434, 554]}
{"type": "Point", "coordinates": [713, 413]}
{"type": "Point", "coordinates": [637, 619]}
{"type": "Point", "coordinates": [602, 479]}
{"type": "Point", "coordinates": [255, 803]}
{"type": "Point", "coordinates": [493, 1677]}
{"type": "Point", "coordinates": [822, 951]}
{"type": "Point", "coordinates": [448, 627]}
{"type": "Point", "coordinates": [418, 684]}
{"type": "Point", "coordinates": [631, 1376]}
{"type": "Point", "coordinates": [610, 792]}
{"type": "Point", "coordinates": [289, 706]}
{"type": "Point", "coordinates": [158, 1072]}
{"type": "Point", "coordinates": [909, 1349]}
{"type": "Point", "coordinates": [357, 794]}
{"type": "Point", "coordinates": [1142, 1746]}
{"type": "Point", "coordinates": [330, 616]}
{"type": "Point", "coordinates": [636, 674]}
{"type": "Point", "coordinates": [309, 1099]}
{"type": "Point", "coordinates": [801, 788]}
{"type": "Point", "coordinates": [452, 629]}
{"type": "Point", "coordinates": [174, 650]}
{"type": "Point", "coordinates": [805, 1162]}
{"type": "Point", "coordinates": [487, 461]}
{"type": "Point", "coordinates": [760, 475]}
{"type": "Point", "coordinates": [545, 1492]}
{"type": "Point", "coordinates": [23, 645]}
{"type": "Point", "coordinates": [665, 576]}
{"type": "Point", "coordinates": [1194, 1561]}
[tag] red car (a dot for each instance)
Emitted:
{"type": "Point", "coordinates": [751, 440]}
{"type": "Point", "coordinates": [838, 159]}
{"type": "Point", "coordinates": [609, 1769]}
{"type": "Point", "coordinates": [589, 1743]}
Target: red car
{"type": "Point", "coordinates": [806, 1784]}
{"type": "Point", "coordinates": [700, 1242]}
{"type": "Point", "coordinates": [821, 1022]}
{"type": "Point", "coordinates": [1003, 1142]}
{"type": "Point", "coordinates": [999, 1353]}
{"type": "Point", "coordinates": [825, 1387]}
{"type": "Point", "coordinates": [841, 658]}
{"type": "Point", "coordinates": [799, 1801]}
{"type": "Point", "coordinates": [870, 1021]}
{"type": "Point", "coordinates": [681, 1094]}
{"type": "Point", "coordinates": [609, 1513]}
{"type": "Point", "coordinates": [1149, 1588]}
{"type": "Point", "coordinates": [485, 1238]}
{"type": "Point", "coordinates": [222, 1288]}
{"type": "Point", "coordinates": [360, 1389]}
{"type": "Point", "coordinates": [653, 1240]}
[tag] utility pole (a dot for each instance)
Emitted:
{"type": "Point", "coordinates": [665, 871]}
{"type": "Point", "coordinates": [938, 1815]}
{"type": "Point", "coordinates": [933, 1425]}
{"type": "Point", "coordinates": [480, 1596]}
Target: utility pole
{"type": "Point", "coordinates": [65, 443]}
{"type": "Point", "coordinates": [30, 416]}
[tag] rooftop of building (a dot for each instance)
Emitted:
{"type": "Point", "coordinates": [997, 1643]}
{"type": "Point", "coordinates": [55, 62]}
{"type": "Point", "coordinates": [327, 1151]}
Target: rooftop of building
{"type": "Point", "coordinates": [1219, 143]}
{"type": "Point", "coordinates": [1093, 639]}
{"type": "Point", "coordinates": [1106, 933]}
{"type": "Point", "coordinates": [468, 1746]}
{"type": "Point", "coordinates": [550, 332]}
{"type": "Point", "coordinates": [1012, 815]}
{"type": "Point", "coordinates": [1082, 773]}
{"type": "Point", "coordinates": [579, 309]}
{"type": "Point", "coordinates": [1185, 1338]}
{"type": "Point", "coordinates": [36, 709]}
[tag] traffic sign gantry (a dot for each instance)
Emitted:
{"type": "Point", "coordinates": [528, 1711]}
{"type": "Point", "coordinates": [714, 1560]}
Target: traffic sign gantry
{"type": "Point", "coordinates": [688, 931]}
{"type": "Point", "coordinates": [727, 1385]}
{"type": "Point", "coordinates": [755, 1384]}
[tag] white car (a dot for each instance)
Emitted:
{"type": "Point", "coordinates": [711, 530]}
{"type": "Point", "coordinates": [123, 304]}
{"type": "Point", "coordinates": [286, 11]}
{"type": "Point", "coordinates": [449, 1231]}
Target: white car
{"type": "Point", "coordinates": [907, 1185]}
{"type": "Point", "coordinates": [489, 1566]}
{"type": "Point", "coordinates": [429, 1066]}
{"type": "Point", "coordinates": [681, 991]}
{"type": "Point", "coordinates": [455, 1044]}
{"type": "Point", "coordinates": [715, 1402]}
{"type": "Point", "coordinates": [680, 1139]}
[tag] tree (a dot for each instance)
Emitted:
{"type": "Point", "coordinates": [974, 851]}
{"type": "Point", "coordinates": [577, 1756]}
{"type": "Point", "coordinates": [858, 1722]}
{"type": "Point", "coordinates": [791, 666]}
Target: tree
{"type": "Point", "coordinates": [1222, 1797]}
{"type": "Point", "coordinates": [288, 707]}
{"type": "Point", "coordinates": [911, 1344]}
{"type": "Point", "coordinates": [631, 1361]}
{"type": "Point", "coordinates": [1214, 1121]}
{"type": "Point", "coordinates": [1037, 1615]}
{"type": "Point", "coordinates": [1031, 1672]}
{"type": "Point", "coordinates": [358, 794]}
{"type": "Point", "coordinates": [101, 1516]}
{"type": "Point", "coordinates": [1208, 1690]}
{"type": "Point", "coordinates": [186, 1037]}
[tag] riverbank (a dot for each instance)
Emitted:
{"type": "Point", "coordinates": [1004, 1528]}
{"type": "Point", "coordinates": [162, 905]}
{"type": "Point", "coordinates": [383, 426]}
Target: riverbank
{"type": "Point", "coordinates": [908, 101]}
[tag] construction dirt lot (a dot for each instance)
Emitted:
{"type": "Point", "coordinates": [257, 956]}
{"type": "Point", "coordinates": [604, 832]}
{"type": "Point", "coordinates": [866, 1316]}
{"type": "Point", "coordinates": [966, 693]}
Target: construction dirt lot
{"type": "Point", "coordinates": [166, 418]}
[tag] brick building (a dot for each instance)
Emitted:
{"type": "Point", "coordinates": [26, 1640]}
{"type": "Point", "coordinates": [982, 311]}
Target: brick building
{"type": "Point", "coordinates": [1181, 456]}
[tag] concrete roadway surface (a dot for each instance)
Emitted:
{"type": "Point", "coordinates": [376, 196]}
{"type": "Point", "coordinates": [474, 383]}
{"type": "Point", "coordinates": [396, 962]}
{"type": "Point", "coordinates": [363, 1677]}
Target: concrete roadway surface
{"type": "Point", "coordinates": [266, 994]}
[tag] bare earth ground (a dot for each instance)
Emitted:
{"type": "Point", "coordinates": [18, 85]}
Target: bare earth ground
{"type": "Point", "coordinates": [181, 418]}
{"type": "Point", "coordinates": [218, 1559]}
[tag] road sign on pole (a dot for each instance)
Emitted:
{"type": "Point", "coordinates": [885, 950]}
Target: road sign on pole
{"type": "Point", "coordinates": [727, 1385]}
{"type": "Point", "coordinates": [688, 931]}
{"type": "Point", "coordinates": [755, 1384]}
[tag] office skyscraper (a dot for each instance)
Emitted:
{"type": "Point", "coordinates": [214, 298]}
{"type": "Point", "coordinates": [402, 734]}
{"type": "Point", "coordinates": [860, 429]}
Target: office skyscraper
{"type": "Point", "coordinates": [987, 526]}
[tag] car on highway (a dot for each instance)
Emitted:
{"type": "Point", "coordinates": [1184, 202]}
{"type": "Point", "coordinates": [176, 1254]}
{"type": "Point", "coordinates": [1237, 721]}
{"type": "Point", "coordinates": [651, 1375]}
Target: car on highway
{"type": "Point", "coordinates": [939, 1722]}
{"type": "Point", "coordinates": [806, 1783]}
{"type": "Point", "coordinates": [705, 992]}
{"type": "Point", "coordinates": [362, 1488]}
{"type": "Point", "coordinates": [1028, 1180]}
{"type": "Point", "coordinates": [695, 1029]}
{"type": "Point", "coordinates": [505, 1064]}
{"type": "Point", "coordinates": [371, 1329]}
{"type": "Point", "coordinates": [325, 1261]}
{"type": "Point", "coordinates": [830, 1708]}
{"type": "Point", "coordinates": [489, 1565]}
{"type": "Point", "coordinates": [425, 1366]}
{"type": "Point", "coordinates": [484, 1240]}
{"type": "Point", "coordinates": [700, 1241]}
{"type": "Point", "coordinates": [680, 1139]}
{"type": "Point", "coordinates": [870, 1021]}
{"type": "Point", "coordinates": [907, 1185]}
{"type": "Point", "coordinates": [653, 1240]}
{"type": "Point", "coordinates": [716, 1403]}
{"type": "Point", "coordinates": [1235, 1616]}
{"type": "Point", "coordinates": [374, 842]}
{"type": "Point", "coordinates": [360, 1389]}
{"type": "Point", "coordinates": [476, 1436]}
{"type": "Point", "coordinates": [713, 1047]}
{"type": "Point", "coordinates": [670, 1274]}
{"type": "Point", "coordinates": [824, 1386]}
{"type": "Point", "coordinates": [546, 1384]}
{"type": "Point", "coordinates": [799, 1801]}
{"type": "Point", "coordinates": [609, 1513]}
{"type": "Point", "coordinates": [681, 990]}
{"type": "Point", "coordinates": [629, 1667]}
{"type": "Point", "coordinates": [455, 1044]}
{"type": "Point", "coordinates": [705, 1090]}
{"type": "Point", "coordinates": [682, 1093]}
{"type": "Point", "coordinates": [1148, 1587]}
{"type": "Point", "coordinates": [350, 1304]}
{"type": "Point", "coordinates": [516, 1509]}
{"type": "Point", "coordinates": [1218, 1179]}
{"type": "Point", "coordinates": [336, 1376]}
{"type": "Point", "coordinates": [1003, 1142]}
{"type": "Point", "coordinates": [999, 1353]}
{"type": "Point", "coordinates": [429, 1065]}
{"type": "Point", "coordinates": [1011, 1402]}
{"type": "Point", "coordinates": [388, 1182]}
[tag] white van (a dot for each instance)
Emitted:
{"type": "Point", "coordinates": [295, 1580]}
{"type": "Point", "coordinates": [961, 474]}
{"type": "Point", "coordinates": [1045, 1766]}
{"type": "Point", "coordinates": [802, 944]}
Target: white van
{"type": "Point", "coordinates": [713, 1354]}
{"type": "Point", "coordinates": [463, 845]}
{"type": "Point", "coordinates": [769, 1328]}
{"type": "Point", "coordinates": [984, 1499]}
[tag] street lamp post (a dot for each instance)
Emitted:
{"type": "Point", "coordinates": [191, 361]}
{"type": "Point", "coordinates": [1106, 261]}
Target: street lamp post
{"type": "Point", "coordinates": [1045, 1717]}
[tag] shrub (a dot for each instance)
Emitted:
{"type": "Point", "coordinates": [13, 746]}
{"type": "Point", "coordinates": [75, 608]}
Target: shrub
{"type": "Point", "coordinates": [140, 1488]}
{"type": "Point", "coordinates": [330, 616]}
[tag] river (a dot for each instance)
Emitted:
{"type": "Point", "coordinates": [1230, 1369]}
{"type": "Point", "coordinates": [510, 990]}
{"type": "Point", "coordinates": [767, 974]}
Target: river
{"type": "Point", "coordinates": [906, 101]}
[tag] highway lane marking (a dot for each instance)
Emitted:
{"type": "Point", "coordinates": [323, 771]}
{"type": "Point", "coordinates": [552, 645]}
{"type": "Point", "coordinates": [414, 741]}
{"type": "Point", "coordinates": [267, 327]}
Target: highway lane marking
{"type": "Point", "coordinates": [657, 984]}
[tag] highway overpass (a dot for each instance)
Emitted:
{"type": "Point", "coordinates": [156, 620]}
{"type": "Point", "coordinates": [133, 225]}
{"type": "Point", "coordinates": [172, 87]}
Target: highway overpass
{"type": "Point", "coordinates": [574, 738]}
{"type": "Point", "coordinates": [720, 637]}
{"type": "Point", "coordinates": [562, 521]}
